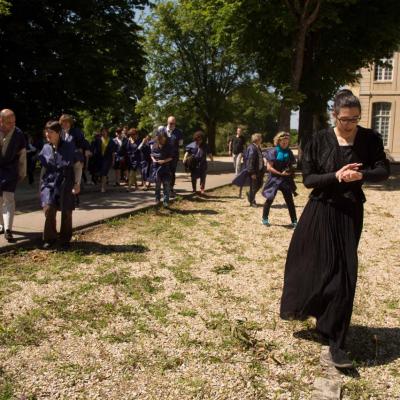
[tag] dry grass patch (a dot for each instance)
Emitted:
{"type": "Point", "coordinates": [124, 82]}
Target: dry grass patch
{"type": "Point", "coordinates": [184, 304]}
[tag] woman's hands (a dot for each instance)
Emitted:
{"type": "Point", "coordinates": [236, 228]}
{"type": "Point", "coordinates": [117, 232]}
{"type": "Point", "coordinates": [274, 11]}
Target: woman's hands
{"type": "Point", "coordinates": [76, 189]}
{"type": "Point", "coordinates": [349, 173]}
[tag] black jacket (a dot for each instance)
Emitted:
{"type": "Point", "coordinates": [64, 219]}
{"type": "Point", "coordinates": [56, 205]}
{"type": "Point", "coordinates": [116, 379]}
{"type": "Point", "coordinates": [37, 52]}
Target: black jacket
{"type": "Point", "coordinates": [322, 158]}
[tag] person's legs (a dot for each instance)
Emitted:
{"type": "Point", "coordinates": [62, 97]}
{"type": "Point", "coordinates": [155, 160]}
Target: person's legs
{"type": "Point", "coordinates": [203, 176]}
{"type": "Point", "coordinates": [173, 165]}
{"type": "Point", "coordinates": [50, 224]}
{"type": "Point", "coordinates": [252, 191]}
{"type": "Point", "coordinates": [66, 226]}
{"type": "Point", "coordinates": [8, 211]}
{"type": "Point", "coordinates": [158, 190]}
{"type": "Point", "coordinates": [290, 204]}
{"type": "Point", "coordinates": [132, 179]}
{"type": "Point", "coordinates": [237, 162]}
{"type": "Point", "coordinates": [234, 159]}
{"type": "Point", "coordinates": [166, 191]}
{"type": "Point", "coordinates": [1, 213]}
{"type": "Point", "coordinates": [266, 208]}
{"type": "Point", "coordinates": [117, 177]}
{"type": "Point", "coordinates": [255, 185]}
{"type": "Point", "coordinates": [194, 182]}
{"type": "Point", "coordinates": [103, 183]}
{"type": "Point", "coordinates": [30, 171]}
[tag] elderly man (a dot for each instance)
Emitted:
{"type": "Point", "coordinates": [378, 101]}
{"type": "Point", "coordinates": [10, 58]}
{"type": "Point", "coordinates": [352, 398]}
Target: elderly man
{"type": "Point", "coordinates": [12, 169]}
{"type": "Point", "coordinates": [176, 139]}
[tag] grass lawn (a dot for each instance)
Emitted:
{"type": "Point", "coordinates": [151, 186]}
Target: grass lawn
{"type": "Point", "coordinates": [184, 304]}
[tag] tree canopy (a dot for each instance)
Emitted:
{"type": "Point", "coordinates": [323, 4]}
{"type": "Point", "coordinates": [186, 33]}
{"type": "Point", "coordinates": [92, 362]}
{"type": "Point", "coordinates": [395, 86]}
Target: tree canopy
{"type": "Point", "coordinates": [192, 60]}
{"type": "Point", "coordinates": [308, 49]}
{"type": "Point", "coordinates": [71, 55]}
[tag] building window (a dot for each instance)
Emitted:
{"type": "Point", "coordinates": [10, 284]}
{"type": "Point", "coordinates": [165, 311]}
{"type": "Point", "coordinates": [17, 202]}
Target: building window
{"type": "Point", "coordinates": [384, 73]}
{"type": "Point", "coordinates": [381, 120]}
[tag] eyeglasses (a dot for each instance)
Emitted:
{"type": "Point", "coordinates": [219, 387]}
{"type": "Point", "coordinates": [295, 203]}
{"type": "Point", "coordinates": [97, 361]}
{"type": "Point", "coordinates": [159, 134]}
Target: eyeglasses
{"type": "Point", "coordinates": [349, 120]}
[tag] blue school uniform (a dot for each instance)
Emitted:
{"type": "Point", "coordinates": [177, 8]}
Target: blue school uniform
{"type": "Point", "coordinates": [200, 156]}
{"type": "Point", "coordinates": [133, 154]}
{"type": "Point", "coordinates": [76, 136]}
{"type": "Point", "coordinates": [58, 179]}
{"type": "Point", "coordinates": [145, 161]}
{"type": "Point", "coordinates": [9, 161]}
{"type": "Point", "coordinates": [281, 160]}
{"type": "Point", "coordinates": [161, 172]}
{"type": "Point", "coordinates": [244, 177]}
{"type": "Point", "coordinates": [102, 163]}
{"type": "Point", "coordinates": [120, 153]}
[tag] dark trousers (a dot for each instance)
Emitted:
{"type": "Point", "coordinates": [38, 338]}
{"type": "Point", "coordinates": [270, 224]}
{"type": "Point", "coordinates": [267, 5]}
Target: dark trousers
{"type": "Point", "coordinates": [173, 165]}
{"type": "Point", "coordinates": [287, 195]}
{"type": "Point", "coordinates": [30, 169]}
{"type": "Point", "coordinates": [202, 177]}
{"type": "Point", "coordinates": [50, 225]}
{"type": "Point", "coordinates": [255, 186]}
{"type": "Point", "coordinates": [166, 184]}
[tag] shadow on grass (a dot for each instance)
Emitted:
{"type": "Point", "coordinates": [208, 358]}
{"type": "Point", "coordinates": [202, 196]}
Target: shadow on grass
{"type": "Point", "coordinates": [193, 212]}
{"type": "Point", "coordinates": [369, 346]}
{"type": "Point", "coordinates": [204, 199]}
{"type": "Point", "coordinates": [84, 248]}
{"type": "Point", "coordinates": [210, 196]}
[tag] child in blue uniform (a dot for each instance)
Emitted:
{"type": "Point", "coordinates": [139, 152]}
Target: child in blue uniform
{"type": "Point", "coordinates": [145, 161]}
{"type": "Point", "coordinates": [59, 183]}
{"type": "Point", "coordinates": [133, 157]}
{"type": "Point", "coordinates": [199, 150]}
{"type": "Point", "coordinates": [162, 155]}
{"type": "Point", "coordinates": [103, 156]}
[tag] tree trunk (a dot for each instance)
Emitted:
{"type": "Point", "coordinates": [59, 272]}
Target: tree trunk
{"type": "Point", "coordinates": [211, 127]}
{"type": "Point", "coordinates": [284, 118]}
{"type": "Point", "coordinates": [306, 123]}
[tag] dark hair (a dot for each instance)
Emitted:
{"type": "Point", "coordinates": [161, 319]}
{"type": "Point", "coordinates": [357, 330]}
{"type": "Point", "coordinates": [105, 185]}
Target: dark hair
{"type": "Point", "coordinates": [345, 99]}
{"type": "Point", "coordinates": [198, 135]}
{"type": "Point", "coordinates": [53, 126]}
{"type": "Point", "coordinates": [118, 130]}
{"type": "Point", "coordinates": [132, 132]}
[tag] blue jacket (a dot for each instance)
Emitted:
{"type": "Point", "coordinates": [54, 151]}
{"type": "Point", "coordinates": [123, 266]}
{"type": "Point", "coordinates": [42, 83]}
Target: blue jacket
{"type": "Point", "coordinates": [58, 178]}
{"type": "Point", "coordinates": [9, 162]}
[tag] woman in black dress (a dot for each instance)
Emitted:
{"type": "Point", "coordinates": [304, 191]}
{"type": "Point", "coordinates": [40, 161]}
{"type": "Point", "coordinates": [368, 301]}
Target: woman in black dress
{"type": "Point", "coordinates": [321, 265]}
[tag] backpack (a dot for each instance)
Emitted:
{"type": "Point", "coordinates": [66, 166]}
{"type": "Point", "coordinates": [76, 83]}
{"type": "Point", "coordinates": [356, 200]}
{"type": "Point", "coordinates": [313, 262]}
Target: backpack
{"type": "Point", "coordinates": [190, 163]}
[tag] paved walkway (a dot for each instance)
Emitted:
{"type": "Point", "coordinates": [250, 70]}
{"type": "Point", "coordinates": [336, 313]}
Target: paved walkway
{"type": "Point", "coordinates": [96, 207]}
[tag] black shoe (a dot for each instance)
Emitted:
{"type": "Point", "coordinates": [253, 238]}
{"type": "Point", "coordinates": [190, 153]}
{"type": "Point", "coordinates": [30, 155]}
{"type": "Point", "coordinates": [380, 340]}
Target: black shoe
{"type": "Point", "coordinates": [1, 230]}
{"type": "Point", "coordinates": [172, 194]}
{"type": "Point", "coordinates": [47, 245]}
{"type": "Point", "coordinates": [339, 358]}
{"type": "Point", "coordinates": [8, 235]}
{"type": "Point", "coordinates": [65, 245]}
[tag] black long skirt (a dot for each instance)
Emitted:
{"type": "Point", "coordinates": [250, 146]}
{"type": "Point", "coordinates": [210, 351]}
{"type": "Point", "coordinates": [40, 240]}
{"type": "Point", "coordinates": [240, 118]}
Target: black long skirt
{"type": "Point", "coordinates": [321, 267]}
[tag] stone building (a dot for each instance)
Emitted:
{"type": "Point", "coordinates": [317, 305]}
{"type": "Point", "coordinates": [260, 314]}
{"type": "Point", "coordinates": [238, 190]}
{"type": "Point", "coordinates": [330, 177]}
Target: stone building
{"type": "Point", "coordinates": [379, 93]}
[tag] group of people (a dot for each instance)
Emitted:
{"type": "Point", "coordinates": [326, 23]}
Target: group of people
{"type": "Point", "coordinates": [321, 265]}
{"type": "Point", "coordinates": [66, 154]}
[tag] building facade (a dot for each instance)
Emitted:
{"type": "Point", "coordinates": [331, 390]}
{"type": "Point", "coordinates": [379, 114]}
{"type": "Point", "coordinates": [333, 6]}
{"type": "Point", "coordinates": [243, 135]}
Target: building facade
{"type": "Point", "coordinates": [379, 93]}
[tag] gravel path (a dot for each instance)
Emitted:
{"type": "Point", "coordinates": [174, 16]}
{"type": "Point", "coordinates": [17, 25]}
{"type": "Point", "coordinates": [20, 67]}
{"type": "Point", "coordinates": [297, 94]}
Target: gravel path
{"type": "Point", "coordinates": [183, 304]}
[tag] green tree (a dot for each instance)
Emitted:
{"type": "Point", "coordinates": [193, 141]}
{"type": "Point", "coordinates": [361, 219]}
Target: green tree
{"type": "Point", "coordinates": [5, 7]}
{"type": "Point", "coordinates": [308, 49]}
{"type": "Point", "coordinates": [192, 60]}
{"type": "Point", "coordinates": [70, 56]}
